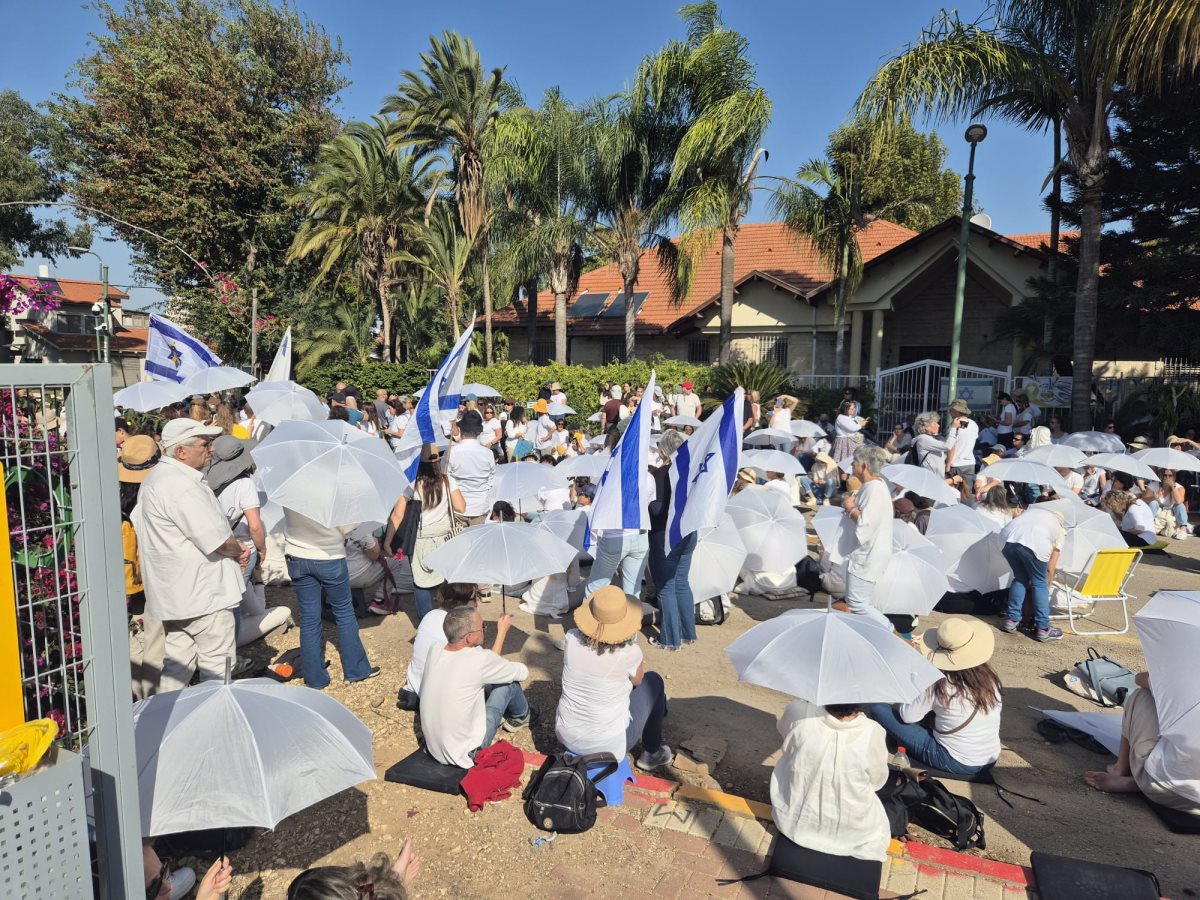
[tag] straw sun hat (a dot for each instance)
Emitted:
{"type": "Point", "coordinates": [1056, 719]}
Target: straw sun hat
{"type": "Point", "coordinates": [139, 455]}
{"type": "Point", "coordinates": [609, 616]}
{"type": "Point", "coordinates": [958, 644]}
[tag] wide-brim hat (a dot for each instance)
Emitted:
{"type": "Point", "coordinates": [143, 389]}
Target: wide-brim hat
{"type": "Point", "coordinates": [960, 406]}
{"type": "Point", "coordinates": [1141, 442]}
{"type": "Point", "coordinates": [137, 459]}
{"type": "Point", "coordinates": [958, 644]}
{"type": "Point", "coordinates": [230, 459]}
{"type": "Point", "coordinates": [991, 458]}
{"type": "Point", "coordinates": [826, 460]}
{"type": "Point", "coordinates": [609, 616]}
{"type": "Point", "coordinates": [555, 386]}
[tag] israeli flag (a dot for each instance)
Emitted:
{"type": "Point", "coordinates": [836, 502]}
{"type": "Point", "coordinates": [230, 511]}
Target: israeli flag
{"type": "Point", "coordinates": [281, 366]}
{"type": "Point", "coordinates": [703, 471]}
{"type": "Point", "coordinates": [172, 354]}
{"type": "Point", "coordinates": [623, 496]}
{"type": "Point", "coordinates": [438, 405]}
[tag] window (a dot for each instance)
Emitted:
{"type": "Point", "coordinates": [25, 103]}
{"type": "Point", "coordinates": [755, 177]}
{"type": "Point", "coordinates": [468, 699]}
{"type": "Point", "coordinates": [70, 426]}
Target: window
{"type": "Point", "coordinates": [698, 352]}
{"type": "Point", "coordinates": [773, 348]}
{"type": "Point", "coordinates": [543, 353]}
{"type": "Point", "coordinates": [612, 348]}
{"type": "Point", "coordinates": [72, 323]}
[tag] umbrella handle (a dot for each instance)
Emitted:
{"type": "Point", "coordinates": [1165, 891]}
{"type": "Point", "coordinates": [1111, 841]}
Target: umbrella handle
{"type": "Point", "coordinates": [503, 601]}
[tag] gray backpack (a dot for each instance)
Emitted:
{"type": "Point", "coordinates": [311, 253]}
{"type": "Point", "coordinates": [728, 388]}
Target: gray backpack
{"type": "Point", "coordinates": [1110, 681]}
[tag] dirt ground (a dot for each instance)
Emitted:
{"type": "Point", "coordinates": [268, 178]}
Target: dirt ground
{"type": "Point", "coordinates": [488, 854]}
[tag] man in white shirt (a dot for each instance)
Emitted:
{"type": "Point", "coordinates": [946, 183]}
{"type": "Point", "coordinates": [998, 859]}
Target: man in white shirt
{"type": "Point", "coordinates": [872, 513]}
{"type": "Point", "coordinates": [687, 403]}
{"type": "Point", "coordinates": [467, 691]}
{"type": "Point", "coordinates": [473, 467]}
{"type": "Point", "coordinates": [430, 633]}
{"type": "Point", "coordinates": [191, 562]}
{"type": "Point", "coordinates": [960, 454]}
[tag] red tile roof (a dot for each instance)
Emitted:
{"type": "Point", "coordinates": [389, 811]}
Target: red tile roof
{"type": "Point", "coordinates": [73, 291]}
{"type": "Point", "coordinates": [128, 340]}
{"type": "Point", "coordinates": [767, 250]}
{"type": "Point", "coordinates": [1039, 240]}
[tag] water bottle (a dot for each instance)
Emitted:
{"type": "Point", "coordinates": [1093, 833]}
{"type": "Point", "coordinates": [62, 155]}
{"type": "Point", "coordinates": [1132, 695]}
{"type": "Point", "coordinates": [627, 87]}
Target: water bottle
{"type": "Point", "coordinates": [900, 760]}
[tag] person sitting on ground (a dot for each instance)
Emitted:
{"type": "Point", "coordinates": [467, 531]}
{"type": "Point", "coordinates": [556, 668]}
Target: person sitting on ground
{"type": "Point", "coordinates": [1147, 762]}
{"type": "Point", "coordinates": [966, 703]}
{"type": "Point", "coordinates": [380, 879]}
{"type": "Point", "coordinates": [1095, 483]}
{"type": "Point", "coordinates": [1073, 479]}
{"type": "Point", "coordinates": [1137, 522]}
{"type": "Point", "coordinates": [380, 578]}
{"type": "Point", "coordinates": [1032, 542]}
{"type": "Point", "coordinates": [821, 481]}
{"type": "Point", "coordinates": [609, 701]}
{"type": "Point", "coordinates": [994, 506]}
{"type": "Point", "coordinates": [1057, 433]}
{"type": "Point", "coordinates": [467, 692]}
{"type": "Point", "coordinates": [823, 789]}
{"type": "Point", "coordinates": [897, 445]}
{"type": "Point", "coordinates": [431, 633]}
{"type": "Point", "coordinates": [163, 883]}
{"type": "Point", "coordinates": [1172, 496]}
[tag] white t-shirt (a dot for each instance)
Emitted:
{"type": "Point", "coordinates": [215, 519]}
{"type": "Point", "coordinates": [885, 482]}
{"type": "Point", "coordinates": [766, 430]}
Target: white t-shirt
{"type": "Point", "coordinates": [689, 405]}
{"type": "Point", "coordinates": [1008, 409]}
{"type": "Point", "coordinates": [976, 744]}
{"type": "Point", "coordinates": [1037, 529]}
{"type": "Point", "coordinates": [358, 542]}
{"type": "Point", "coordinates": [306, 539]}
{"type": "Point", "coordinates": [1140, 521]}
{"type": "Point", "coordinates": [430, 633]}
{"type": "Point", "coordinates": [473, 468]}
{"type": "Point", "coordinates": [593, 711]}
{"type": "Point", "coordinates": [453, 718]}
{"type": "Point", "coordinates": [235, 499]}
{"type": "Point", "coordinates": [1074, 481]}
{"type": "Point", "coordinates": [962, 443]}
{"type": "Point", "coordinates": [491, 432]}
{"type": "Point", "coordinates": [844, 426]}
{"type": "Point", "coordinates": [873, 530]}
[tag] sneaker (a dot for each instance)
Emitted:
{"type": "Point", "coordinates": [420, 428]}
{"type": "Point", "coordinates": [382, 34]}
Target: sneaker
{"type": "Point", "coordinates": [649, 761]}
{"type": "Point", "coordinates": [181, 881]}
{"type": "Point", "coordinates": [374, 671]}
{"type": "Point", "coordinates": [1181, 533]}
{"type": "Point", "coordinates": [1048, 634]}
{"type": "Point", "coordinates": [655, 642]}
{"type": "Point", "coordinates": [1009, 626]}
{"type": "Point", "coordinates": [516, 723]}
{"type": "Point", "coordinates": [381, 608]}
{"type": "Point", "coordinates": [243, 665]}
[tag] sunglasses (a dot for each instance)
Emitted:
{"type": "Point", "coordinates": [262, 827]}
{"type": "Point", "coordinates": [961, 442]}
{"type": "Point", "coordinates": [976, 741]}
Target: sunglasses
{"type": "Point", "coordinates": [155, 886]}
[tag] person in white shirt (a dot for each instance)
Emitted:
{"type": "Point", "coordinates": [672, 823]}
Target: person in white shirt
{"type": "Point", "coordinates": [557, 395]}
{"type": "Point", "coordinates": [492, 435]}
{"type": "Point", "coordinates": [191, 563]}
{"type": "Point", "coordinates": [430, 633]}
{"type": "Point", "coordinates": [609, 701]}
{"type": "Point", "coordinates": [1008, 415]}
{"type": "Point", "coordinates": [1032, 542]}
{"type": "Point", "coordinates": [966, 703]}
{"type": "Point", "coordinates": [472, 467]}
{"type": "Point", "coordinates": [823, 789]}
{"type": "Point", "coordinates": [1025, 420]}
{"type": "Point", "coordinates": [380, 577]}
{"type": "Point", "coordinates": [961, 440]}
{"type": "Point", "coordinates": [1073, 479]}
{"type": "Point", "coordinates": [467, 692]}
{"type": "Point", "coordinates": [1134, 516]}
{"type": "Point", "coordinates": [687, 403]}
{"type": "Point", "coordinates": [871, 511]}
{"type": "Point", "coordinates": [848, 428]}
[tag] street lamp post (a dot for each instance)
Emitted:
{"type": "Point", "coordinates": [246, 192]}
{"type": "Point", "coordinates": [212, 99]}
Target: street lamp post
{"type": "Point", "coordinates": [975, 134]}
{"type": "Point", "coordinates": [104, 329]}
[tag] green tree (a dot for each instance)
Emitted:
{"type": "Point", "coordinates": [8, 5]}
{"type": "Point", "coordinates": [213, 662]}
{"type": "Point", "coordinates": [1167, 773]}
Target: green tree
{"type": "Point", "coordinates": [339, 330]}
{"type": "Point", "coordinates": [197, 119]}
{"type": "Point", "coordinates": [31, 149]}
{"type": "Point", "coordinates": [443, 256]}
{"type": "Point", "coordinates": [1034, 61]}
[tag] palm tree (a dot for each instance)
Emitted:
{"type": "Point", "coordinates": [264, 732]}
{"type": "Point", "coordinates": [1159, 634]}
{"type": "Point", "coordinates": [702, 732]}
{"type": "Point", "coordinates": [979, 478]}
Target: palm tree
{"type": "Point", "coordinates": [340, 330]}
{"type": "Point", "coordinates": [360, 206]}
{"type": "Point", "coordinates": [443, 256]}
{"type": "Point", "coordinates": [1034, 61]}
{"type": "Point", "coordinates": [717, 161]}
{"type": "Point", "coordinates": [452, 105]}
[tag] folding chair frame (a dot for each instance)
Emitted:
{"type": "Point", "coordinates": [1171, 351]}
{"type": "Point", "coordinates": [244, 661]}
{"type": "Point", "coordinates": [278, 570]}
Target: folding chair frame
{"type": "Point", "coordinates": [1076, 592]}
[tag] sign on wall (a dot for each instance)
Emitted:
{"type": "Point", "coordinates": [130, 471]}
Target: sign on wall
{"type": "Point", "coordinates": [980, 393]}
{"type": "Point", "coordinates": [1046, 390]}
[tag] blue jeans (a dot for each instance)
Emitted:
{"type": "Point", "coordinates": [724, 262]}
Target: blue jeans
{"type": "Point", "coordinates": [859, 595]}
{"type": "Point", "coordinates": [1179, 511]}
{"type": "Point", "coordinates": [621, 555]}
{"type": "Point", "coordinates": [675, 598]}
{"type": "Point", "coordinates": [919, 742]}
{"type": "Point", "coordinates": [500, 700]}
{"type": "Point", "coordinates": [424, 599]}
{"type": "Point", "coordinates": [817, 489]}
{"type": "Point", "coordinates": [310, 577]}
{"type": "Point", "coordinates": [1029, 574]}
{"type": "Point", "coordinates": [647, 709]}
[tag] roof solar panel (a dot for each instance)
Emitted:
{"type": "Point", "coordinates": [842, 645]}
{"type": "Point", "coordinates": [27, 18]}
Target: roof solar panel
{"type": "Point", "coordinates": [586, 306]}
{"type": "Point", "coordinates": [617, 308]}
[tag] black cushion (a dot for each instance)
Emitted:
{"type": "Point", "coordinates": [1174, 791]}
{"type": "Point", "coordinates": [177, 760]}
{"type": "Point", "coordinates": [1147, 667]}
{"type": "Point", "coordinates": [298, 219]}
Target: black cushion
{"type": "Point", "coordinates": [1063, 878]}
{"type": "Point", "coordinates": [419, 769]}
{"type": "Point", "coordinates": [1177, 820]}
{"type": "Point", "coordinates": [857, 878]}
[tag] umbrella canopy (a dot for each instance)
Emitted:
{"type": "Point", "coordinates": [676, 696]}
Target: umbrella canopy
{"type": "Point", "coordinates": [1087, 530]}
{"type": "Point", "coordinates": [770, 437]}
{"type": "Point", "coordinates": [568, 525]}
{"type": "Point", "coordinates": [1166, 458]}
{"type": "Point", "coordinates": [717, 560]}
{"type": "Point", "coordinates": [915, 577]}
{"type": "Point", "coordinates": [479, 390]}
{"type": "Point", "coordinates": [803, 428]}
{"type": "Point", "coordinates": [250, 753]}
{"type": "Point", "coordinates": [1094, 442]}
{"type": "Point", "coordinates": [974, 561]}
{"type": "Point", "coordinates": [590, 465]}
{"type": "Point", "coordinates": [831, 657]}
{"type": "Point", "coordinates": [1123, 462]}
{"type": "Point", "coordinates": [501, 553]}
{"type": "Point", "coordinates": [1169, 626]}
{"type": "Point", "coordinates": [1021, 469]}
{"type": "Point", "coordinates": [559, 409]}
{"type": "Point", "coordinates": [921, 482]}
{"type": "Point", "coordinates": [278, 401]}
{"type": "Point", "coordinates": [596, 416]}
{"type": "Point", "coordinates": [836, 531]}
{"type": "Point", "coordinates": [683, 421]}
{"type": "Point", "coordinates": [517, 482]}
{"type": "Point", "coordinates": [215, 379]}
{"type": "Point", "coordinates": [329, 471]}
{"type": "Point", "coordinates": [598, 441]}
{"type": "Point", "coordinates": [1058, 456]}
{"type": "Point", "coordinates": [775, 535]}
{"type": "Point", "coordinates": [772, 461]}
{"type": "Point", "coordinates": [147, 395]}
{"type": "Point", "coordinates": [959, 519]}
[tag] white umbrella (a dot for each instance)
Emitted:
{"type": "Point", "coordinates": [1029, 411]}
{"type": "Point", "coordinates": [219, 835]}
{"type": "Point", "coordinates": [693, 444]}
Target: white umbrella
{"type": "Point", "coordinates": [479, 390]}
{"type": "Point", "coordinates": [804, 428]}
{"type": "Point", "coordinates": [147, 395]}
{"type": "Point", "coordinates": [847, 465]}
{"type": "Point", "coordinates": [914, 579]}
{"type": "Point", "coordinates": [418, 392]}
{"type": "Point", "coordinates": [1094, 442]}
{"type": "Point", "coordinates": [959, 519]}
{"type": "Point", "coordinates": [559, 409]}
{"type": "Point", "coordinates": [775, 535]}
{"type": "Point", "coordinates": [250, 753]}
{"type": "Point", "coordinates": [598, 441]}
{"type": "Point", "coordinates": [596, 416]}
{"type": "Point", "coordinates": [520, 481]}
{"type": "Point", "coordinates": [568, 525]}
{"type": "Point", "coordinates": [683, 421]}
{"type": "Point", "coordinates": [330, 472]}
{"type": "Point", "coordinates": [277, 401]}
{"type": "Point", "coordinates": [769, 437]}
{"type": "Point", "coordinates": [1086, 530]}
{"type": "Point", "coordinates": [590, 465]}
{"type": "Point", "coordinates": [974, 561]}
{"type": "Point", "coordinates": [1166, 458]}
{"type": "Point", "coordinates": [772, 461]}
{"type": "Point", "coordinates": [1105, 727]}
{"type": "Point", "coordinates": [1058, 456]}
{"type": "Point", "coordinates": [215, 379]}
{"type": "Point", "coordinates": [716, 561]}
{"type": "Point", "coordinates": [1169, 626]}
{"type": "Point", "coordinates": [836, 531]}
{"type": "Point", "coordinates": [831, 657]}
{"type": "Point", "coordinates": [921, 482]}
{"type": "Point", "coordinates": [1022, 470]}
{"type": "Point", "coordinates": [1123, 462]}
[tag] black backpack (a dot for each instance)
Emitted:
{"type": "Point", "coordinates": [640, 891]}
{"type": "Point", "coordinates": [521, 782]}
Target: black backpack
{"type": "Point", "coordinates": [561, 797]}
{"type": "Point", "coordinates": [405, 536]}
{"type": "Point", "coordinates": [930, 804]}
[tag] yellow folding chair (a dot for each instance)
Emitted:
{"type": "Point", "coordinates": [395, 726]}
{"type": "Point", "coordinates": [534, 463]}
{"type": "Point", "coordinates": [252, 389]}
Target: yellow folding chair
{"type": "Point", "coordinates": [1103, 580]}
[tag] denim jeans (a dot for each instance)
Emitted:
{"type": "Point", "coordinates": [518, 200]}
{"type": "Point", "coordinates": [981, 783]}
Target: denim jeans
{"type": "Point", "coordinates": [675, 598]}
{"type": "Point", "coordinates": [247, 586]}
{"type": "Point", "coordinates": [918, 741]}
{"type": "Point", "coordinates": [622, 555]}
{"type": "Point", "coordinates": [424, 600]}
{"type": "Point", "coordinates": [1029, 574]}
{"type": "Point", "coordinates": [1179, 511]}
{"type": "Point", "coordinates": [817, 489]}
{"type": "Point", "coordinates": [310, 577]}
{"type": "Point", "coordinates": [859, 594]}
{"type": "Point", "coordinates": [647, 709]}
{"type": "Point", "coordinates": [500, 700]}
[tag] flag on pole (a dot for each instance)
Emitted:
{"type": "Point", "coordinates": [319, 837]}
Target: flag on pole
{"type": "Point", "coordinates": [172, 354]}
{"type": "Point", "coordinates": [703, 471]}
{"type": "Point", "coordinates": [438, 404]}
{"type": "Point", "coordinates": [622, 499]}
{"type": "Point", "coordinates": [281, 366]}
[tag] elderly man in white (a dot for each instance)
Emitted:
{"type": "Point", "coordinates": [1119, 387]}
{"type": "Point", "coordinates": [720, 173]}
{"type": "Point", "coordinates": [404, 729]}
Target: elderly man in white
{"type": "Point", "coordinates": [191, 562]}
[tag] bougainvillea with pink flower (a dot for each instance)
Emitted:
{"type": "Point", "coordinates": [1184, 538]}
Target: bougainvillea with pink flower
{"type": "Point", "coordinates": [17, 297]}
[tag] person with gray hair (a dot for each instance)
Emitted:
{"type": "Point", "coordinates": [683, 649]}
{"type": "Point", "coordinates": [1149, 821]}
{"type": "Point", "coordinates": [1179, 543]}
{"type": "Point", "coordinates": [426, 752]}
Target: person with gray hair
{"type": "Point", "coordinates": [670, 571]}
{"type": "Point", "coordinates": [871, 511]}
{"type": "Point", "coordinates": [928, 449]}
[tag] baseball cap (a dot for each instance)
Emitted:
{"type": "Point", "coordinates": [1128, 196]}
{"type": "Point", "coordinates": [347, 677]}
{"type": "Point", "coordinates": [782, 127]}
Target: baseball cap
{"type": "Point", "coordinates": [688, 385]}
{"type": "Point", "coordinates": [179, 430]}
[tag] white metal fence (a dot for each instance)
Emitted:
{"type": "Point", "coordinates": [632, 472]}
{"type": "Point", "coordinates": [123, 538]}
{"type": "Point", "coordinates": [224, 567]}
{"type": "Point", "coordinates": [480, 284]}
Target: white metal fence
{"type": "Point", "coordinates": [904, 391]}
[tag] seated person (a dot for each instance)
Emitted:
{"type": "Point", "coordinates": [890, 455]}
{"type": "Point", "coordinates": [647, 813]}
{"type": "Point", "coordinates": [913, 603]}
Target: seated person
{"type": "Point", "coordinates": [778, 482]}
{"type": "Point", "coordinates": [429, 634]}
{"type": "Point", "coordinates": [381, 879]}
{"type": "Point", "coordinates": [965, 737]}
{"type": "Point", "coordinates": [1132, 514]}
{"type": "Point", "coordinates": [821, 481]}
{"type": "Point", "coordinates": [609, 701]}
{"type": "Point", "coordinates": [467, 691]}
{"type": "Point", "coordinates": [164, 884]}
{"type": "Point", "coordinates": [823, 788]}
{"type": "Point", "coordinates": [1146, 761]}
{"type": "Point", "coordinates": [366, 565]}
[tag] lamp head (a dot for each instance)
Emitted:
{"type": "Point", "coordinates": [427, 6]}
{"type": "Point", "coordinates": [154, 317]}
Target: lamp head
{"type": "Point", "coordinates": [975, 133]}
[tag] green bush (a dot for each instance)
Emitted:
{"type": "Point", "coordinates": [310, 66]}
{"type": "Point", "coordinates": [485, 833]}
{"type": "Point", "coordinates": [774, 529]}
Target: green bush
{"type": "Point", "coordinates": [404, 378]}
{"type": "Point", "coordinates": [817, 400]}
{"type": "Point", "coordinates": [765, 377]}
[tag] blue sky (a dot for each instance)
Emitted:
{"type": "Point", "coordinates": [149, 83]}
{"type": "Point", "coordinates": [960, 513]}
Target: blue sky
{"type": "Point", "coordinates": [813, 58]}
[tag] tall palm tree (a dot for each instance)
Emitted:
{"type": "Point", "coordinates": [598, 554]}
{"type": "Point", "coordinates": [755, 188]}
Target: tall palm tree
{"type": "Point", "coordinates": [452, 105]}
{"type": "Point", "coordinates": [341, 330]}
{"type": "Point", "coordinates": [1035, 60]}
{"type": "Point", "coordinates": [360, 206]}
{"type": "Point", "coordinates": [443, 255]}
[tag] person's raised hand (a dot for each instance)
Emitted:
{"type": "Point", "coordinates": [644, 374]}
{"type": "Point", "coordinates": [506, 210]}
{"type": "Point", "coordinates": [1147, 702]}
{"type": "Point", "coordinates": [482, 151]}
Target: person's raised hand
{"type": "Point", "coordinates": [216, 880]}
{"type": "Point", "coordinates": [504, 623]}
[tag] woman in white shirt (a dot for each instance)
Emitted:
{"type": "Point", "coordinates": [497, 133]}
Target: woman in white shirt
{"type": "Point", "coordinates": [514, 430]}
{"type": "Point", "coordinates": [1032, 542]}
{"type": "Point", "coordinates": [1135, 521]}
{"type": "Point", "coordinates": [847, 431]}
{"type": "Point", "coordinates": [1008, 415]}
{"type": "Point", "coordinates": [781, 415]}
{"type": "Point", "coordinates": [966, 703]}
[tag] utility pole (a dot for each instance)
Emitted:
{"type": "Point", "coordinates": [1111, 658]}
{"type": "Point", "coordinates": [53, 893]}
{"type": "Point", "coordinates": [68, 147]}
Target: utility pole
{"type": "Point", "coordinates": [107, 310]}
{"type": "Point", "coordinates": [254, 331]}
{"type": "Point", "coordinates": [975, 134]}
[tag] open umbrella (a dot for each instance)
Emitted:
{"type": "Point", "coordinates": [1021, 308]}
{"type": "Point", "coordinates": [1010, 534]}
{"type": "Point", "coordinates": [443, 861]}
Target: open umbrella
{"type": "Point", "coordinates": [1094, 442]}
{"type": "Point", "coordinates": [974, 561]}
{"type": "Point", "coordinates": [1022, 470]}
{"type": "Point", "coordinates": [330, 472]}
{"type": "Point", "coordinates": [147, 395]}
{"type": "Point", "coordinates": [1166, 458]}
{"type": "Point", "coordinates": [215, 379]}
{"type": "Point", "coordinates": [772, 461]}
{"type": "Point", "coordinates": [568, 525]}
{"type": "Point", "coordinates": [1086, 530]}
{"type": "Point", "coordinates": [559, 409]}
{"type": "Point", "coordinates": [479, 390]}
{"type": "Point", "coordinates": [921, 482]}
{"type": "Point", "coordinates": [683, 421]}
{"type": "Point", "coordinates": [804, 428]}
{"type": "Point", "coordinates": [278, 401]}
{"type": "Point", "coordinates": [521, 481]}
{"type": "Point", "coordinates": [1123, 462]}
{"type": "Point", "coordinates": [959, 519]}
{"type": "Point", "coordinates": [590, 465]}
{"type": "Point", "coordinates": [247, 753]}
{"type": "Point", "coordinates": [770, 437]}
{"type": "Point", "coordinates": [836, 531]}
{"type": "Point", "coordinates": [1058, 456]}
{"type": "Point", "coordinates": [596, 416]}
{"type": "Point", "coordinates": [830, 657]}
{"type": "Point", "coordinates": [914, 579]}
{"type": "Point", "coordinates": [716, 561]}
{"type": "Point", "coordinates": [775, 535]}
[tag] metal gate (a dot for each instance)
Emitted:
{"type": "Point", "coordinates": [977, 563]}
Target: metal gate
{"type": "Point", "coordinates": [64, 626]}
{"type": "Point", "coordinates": [904, 391]}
